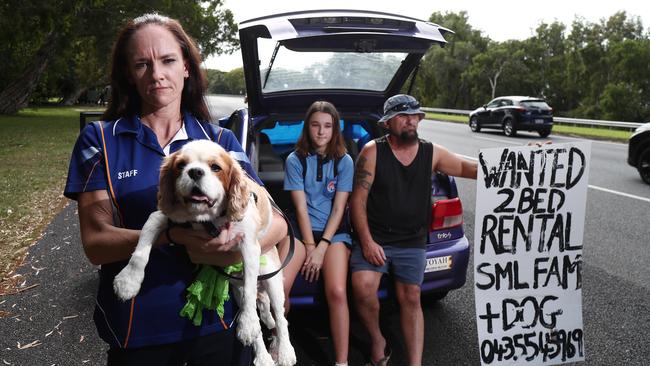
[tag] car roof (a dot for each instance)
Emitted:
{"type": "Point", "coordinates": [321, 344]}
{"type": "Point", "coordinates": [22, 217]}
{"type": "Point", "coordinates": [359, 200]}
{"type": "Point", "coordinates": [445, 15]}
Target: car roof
{"type": "Point", "coordinates": [519, 98]}
{"type": "Point", "coordinates": [332, 31]}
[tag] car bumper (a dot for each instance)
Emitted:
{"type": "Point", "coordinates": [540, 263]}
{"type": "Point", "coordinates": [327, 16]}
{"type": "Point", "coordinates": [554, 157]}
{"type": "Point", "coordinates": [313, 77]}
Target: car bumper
{"type": "Point", "coordinates": [439, 279]}
{"type": "Point", "coordinates": [535, 124]}
{"type": "Point", "coordinates": [447, 279]}
{"type": "Point", "coordinates": [632, 153]}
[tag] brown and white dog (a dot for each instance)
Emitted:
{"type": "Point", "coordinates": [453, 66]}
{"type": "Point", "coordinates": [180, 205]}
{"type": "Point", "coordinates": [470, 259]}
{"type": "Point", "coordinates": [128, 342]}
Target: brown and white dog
{"type": "Point", "coordinates": [202, 182]}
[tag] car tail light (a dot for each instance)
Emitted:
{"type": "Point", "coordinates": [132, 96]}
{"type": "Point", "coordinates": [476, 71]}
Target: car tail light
{"type": "Point", "coordinates": [446, 214]}
{"type": "Point", "coordinates": [521, 109]}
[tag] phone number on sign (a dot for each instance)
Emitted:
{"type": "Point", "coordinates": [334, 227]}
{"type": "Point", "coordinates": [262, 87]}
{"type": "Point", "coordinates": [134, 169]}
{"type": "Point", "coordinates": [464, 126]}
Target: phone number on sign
{"type": "Point", "coordinates": [549, 345]}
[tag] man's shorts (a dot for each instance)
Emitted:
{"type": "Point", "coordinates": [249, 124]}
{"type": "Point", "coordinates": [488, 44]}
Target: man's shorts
{"type": "Point", "coordinates": [405, 264]}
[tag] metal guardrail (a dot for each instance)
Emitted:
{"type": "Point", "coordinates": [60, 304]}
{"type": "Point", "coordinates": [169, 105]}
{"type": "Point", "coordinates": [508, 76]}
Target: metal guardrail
{"type": "Point", "coordinates": [446, 111]}
{"type": "Point", "coordinates": [595, 122]}
{"type": "Point", "coordinates": [561, 120]}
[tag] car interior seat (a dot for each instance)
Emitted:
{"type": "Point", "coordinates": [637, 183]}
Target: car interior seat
{"type": "Point", "coordinates": [267, 158]}
{"type": "Point", "coordinates": [352, 148]}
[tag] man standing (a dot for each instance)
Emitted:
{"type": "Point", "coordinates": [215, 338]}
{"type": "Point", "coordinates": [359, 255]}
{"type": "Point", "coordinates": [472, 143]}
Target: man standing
{"type": "Point", "coordinates": [391, 210]}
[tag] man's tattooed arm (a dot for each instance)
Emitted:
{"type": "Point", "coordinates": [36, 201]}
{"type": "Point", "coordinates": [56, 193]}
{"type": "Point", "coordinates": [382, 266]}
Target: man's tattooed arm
{"type": "Point", "coordinates": [361, 175]}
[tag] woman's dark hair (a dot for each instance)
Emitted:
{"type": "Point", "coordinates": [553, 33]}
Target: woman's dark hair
{"type": "Point", "coordinates": [125, 99]}
{"type": "Point", "coordinates": [336, 146]}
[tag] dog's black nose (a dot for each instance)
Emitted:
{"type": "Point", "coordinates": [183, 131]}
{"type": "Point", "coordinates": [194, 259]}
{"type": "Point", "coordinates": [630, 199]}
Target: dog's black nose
{"type": "Point", "coordinates": [195, 173]}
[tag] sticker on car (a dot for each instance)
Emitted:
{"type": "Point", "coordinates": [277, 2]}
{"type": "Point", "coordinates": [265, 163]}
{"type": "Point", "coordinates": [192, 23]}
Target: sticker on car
{"type": "Point", "coordinates": [438, 264]}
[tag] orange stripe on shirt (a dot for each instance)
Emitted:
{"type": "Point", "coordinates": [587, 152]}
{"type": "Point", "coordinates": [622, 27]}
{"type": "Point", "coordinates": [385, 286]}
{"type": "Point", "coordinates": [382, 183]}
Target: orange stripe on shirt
{"type": "Point", "coordinates": [114, 198]}
{"type": "Point", "coordinates": [108, 174]}
{"type": "Point", "coordinates": [128, 332]}
{"type": "Point", "coordinates": [90, 175]}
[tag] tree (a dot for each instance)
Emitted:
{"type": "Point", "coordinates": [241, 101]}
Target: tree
{"type": "Point", "coordinates": [440, 79]}
{"type": "Point", "coordinates": [500, 59]}
{"type": "Point", "coordinates": [74, 36]}
{"type": "Point", "coordinates": [610, 56]}
{"type": "Point", "coordinates": [620, 101]}
{"type": "Point", "coordinates": [545, 64]}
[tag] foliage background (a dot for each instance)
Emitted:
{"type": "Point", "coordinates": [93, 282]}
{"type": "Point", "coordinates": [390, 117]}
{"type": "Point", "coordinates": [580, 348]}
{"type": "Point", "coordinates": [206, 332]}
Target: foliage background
{"type": "Point", "coordinates": [598, 70]}
{"type": "Point", "coordinates": [588, 70]}
{"type": "Point", "coordinates": [61, 48]}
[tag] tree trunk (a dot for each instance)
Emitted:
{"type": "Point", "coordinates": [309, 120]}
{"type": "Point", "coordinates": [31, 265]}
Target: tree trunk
{"type": "Point", "coordinates": [72, 98]}
{"type": "Point", "coordinates": [16, 95]}
{"type": "Point", "coordinates": [493, 82]}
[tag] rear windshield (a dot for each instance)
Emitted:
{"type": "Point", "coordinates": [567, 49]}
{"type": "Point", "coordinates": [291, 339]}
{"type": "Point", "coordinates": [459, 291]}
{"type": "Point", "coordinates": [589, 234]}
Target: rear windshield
{"type": "Point", "coordinates": [539, 104]}
{"type": "Point", "coordinates": [293, 70]}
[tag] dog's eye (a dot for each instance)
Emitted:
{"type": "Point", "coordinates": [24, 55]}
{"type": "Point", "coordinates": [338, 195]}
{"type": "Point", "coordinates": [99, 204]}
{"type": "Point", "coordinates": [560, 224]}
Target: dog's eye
{"type": "Point", "coordinates": [215, 168]}
{"type": "Point", "coordinates": [181, 165]}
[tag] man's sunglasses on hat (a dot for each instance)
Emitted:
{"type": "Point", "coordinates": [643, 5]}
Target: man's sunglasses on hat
{"type": "Point", "coordinates": [403, 107]}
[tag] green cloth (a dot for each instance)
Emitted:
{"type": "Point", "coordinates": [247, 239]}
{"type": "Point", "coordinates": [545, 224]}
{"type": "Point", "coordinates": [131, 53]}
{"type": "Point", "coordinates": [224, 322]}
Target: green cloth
{"type": "Point", "coordinates": [210, 291]}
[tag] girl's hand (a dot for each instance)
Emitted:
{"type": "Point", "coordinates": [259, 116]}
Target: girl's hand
{"type": "Point", "coordinates": [314, 263]}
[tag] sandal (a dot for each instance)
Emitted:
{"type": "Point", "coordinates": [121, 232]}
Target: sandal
{"type": "Point", "coordinates": [382, 361]}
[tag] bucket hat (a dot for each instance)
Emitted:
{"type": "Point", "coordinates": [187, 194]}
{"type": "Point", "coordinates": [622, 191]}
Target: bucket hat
{"type": "Point", "coordinates": [400, 104]}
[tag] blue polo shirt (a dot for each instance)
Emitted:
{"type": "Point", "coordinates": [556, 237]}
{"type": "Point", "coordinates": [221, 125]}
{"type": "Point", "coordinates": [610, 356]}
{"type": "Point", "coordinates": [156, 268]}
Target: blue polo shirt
{"type": "Point", "coordinates": [318, 193]}
{"type": "Point", "coordinates": [134, 159]}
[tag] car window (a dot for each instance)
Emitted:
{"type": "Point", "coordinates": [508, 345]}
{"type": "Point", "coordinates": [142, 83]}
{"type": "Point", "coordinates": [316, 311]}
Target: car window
{"type": "Point", "coordinates": [291, 70]}
{"type": "Point", "coordinates": [535, 104]}
{"type": "Point", "coordinates": [494, 103]}
{"type": "Point", "coordinates": [506, 102]}
{"type": "Point", "coordinates": [283, 136]}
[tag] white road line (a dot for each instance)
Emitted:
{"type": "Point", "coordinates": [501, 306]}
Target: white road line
{"type": "Point", "coordinates": [619, 193]}
{"type": "Point", "coordinates": [590, 186]}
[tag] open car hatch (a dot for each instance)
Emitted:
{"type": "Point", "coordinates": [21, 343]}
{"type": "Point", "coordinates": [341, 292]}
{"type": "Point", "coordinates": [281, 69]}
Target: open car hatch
{"type": "Point", "coordinates": [292, 59]}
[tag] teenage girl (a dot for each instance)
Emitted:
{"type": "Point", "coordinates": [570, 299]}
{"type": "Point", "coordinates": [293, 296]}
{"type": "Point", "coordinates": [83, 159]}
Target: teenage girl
{"type": "Point", "coordinates": [319, 175]}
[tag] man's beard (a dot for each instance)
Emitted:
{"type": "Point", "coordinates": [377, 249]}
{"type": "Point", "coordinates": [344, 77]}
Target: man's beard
{"type": "Point", "coordinates": [406, 136]}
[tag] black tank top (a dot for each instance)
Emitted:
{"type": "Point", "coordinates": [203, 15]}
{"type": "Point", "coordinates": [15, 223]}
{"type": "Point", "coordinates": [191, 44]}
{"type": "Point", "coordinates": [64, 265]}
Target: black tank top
{"type": "Point", "coordinates": [399, 202]}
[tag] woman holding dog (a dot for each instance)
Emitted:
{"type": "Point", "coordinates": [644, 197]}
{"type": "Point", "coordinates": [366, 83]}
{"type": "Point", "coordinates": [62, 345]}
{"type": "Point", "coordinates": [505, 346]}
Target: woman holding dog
{"type": "Point", "coordinates": [319, 175]}
{"type": "Point", "coordinates": [156, 106]}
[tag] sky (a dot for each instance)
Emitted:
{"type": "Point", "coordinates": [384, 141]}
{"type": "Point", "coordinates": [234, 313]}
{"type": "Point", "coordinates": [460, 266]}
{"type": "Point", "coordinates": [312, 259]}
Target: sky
{"type": "Point", "coordinates": [500, 20]}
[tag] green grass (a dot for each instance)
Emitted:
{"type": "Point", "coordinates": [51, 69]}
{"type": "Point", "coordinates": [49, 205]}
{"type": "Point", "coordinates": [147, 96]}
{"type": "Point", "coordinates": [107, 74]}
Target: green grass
{"type": "Point", "coordinates": [35, 146]}
{"type": "Point", "coordinates": [446, 117]}
{"type": "Point", "coordinates": [560, 129]}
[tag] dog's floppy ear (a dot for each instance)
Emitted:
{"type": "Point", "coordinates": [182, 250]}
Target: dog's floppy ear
{"type": "Point", "coordinates": [238, 192]}
{"type": "Point", "coordinates": [166, 188]}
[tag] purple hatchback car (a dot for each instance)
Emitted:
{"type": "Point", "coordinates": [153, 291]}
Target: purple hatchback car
{"type": "Point", "coordinates": [356, 60]}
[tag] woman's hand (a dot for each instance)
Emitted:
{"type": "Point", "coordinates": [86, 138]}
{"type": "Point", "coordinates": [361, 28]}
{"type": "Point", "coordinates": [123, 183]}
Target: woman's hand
{"type": "Point", "coordinates": [205, 249]}
{"type": "Point", "coordinates": [314, 262]}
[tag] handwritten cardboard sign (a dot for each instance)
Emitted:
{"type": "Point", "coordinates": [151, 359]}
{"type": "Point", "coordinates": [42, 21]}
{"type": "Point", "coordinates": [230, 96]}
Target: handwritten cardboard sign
{"type": "Point", "coordinates": [530, 212]}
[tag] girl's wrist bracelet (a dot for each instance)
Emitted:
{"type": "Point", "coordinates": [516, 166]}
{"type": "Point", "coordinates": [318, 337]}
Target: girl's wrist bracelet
{"type": "Point", "coordinates": [329, 242]}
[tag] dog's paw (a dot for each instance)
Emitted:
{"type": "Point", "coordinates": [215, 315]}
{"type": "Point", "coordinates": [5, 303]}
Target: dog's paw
{"type": "Point", "coordinates": [263, 359]}
{"type": "Point", "coordinates": [127, 283]}
{"type": "Point", "coordinates": [286, 354]}
{"type": "Point", "coordinates": [248, 327]}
